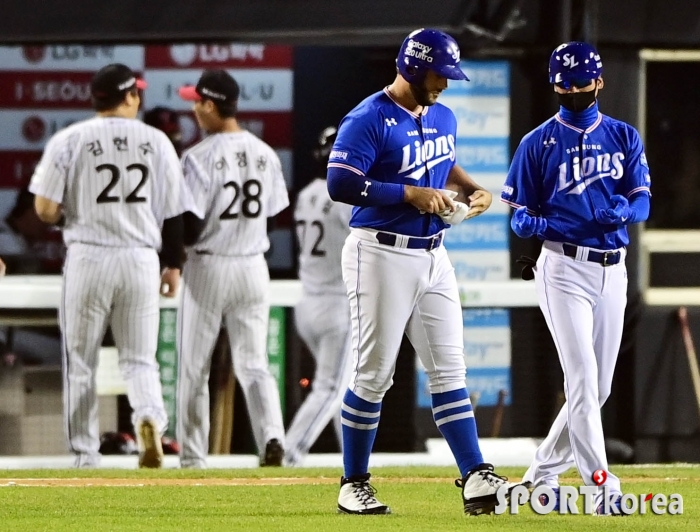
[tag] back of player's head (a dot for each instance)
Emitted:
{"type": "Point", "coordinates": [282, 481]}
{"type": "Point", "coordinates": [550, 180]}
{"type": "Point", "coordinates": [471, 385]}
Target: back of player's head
{"type": "Point", "coordinates": [219, 87]}
{"type": "Point", "coordinates": [110, 85]}
{"type": "Point", "coordinates": [162, 118]}
{"type": "Point", "coordinates": [428, 49]}
{"type": "Point", "coordinates": [324, 145]}
{"type": "Point", "coordinates": [574, 64]}
{"type": "Point", "coordinates": [168, 121]}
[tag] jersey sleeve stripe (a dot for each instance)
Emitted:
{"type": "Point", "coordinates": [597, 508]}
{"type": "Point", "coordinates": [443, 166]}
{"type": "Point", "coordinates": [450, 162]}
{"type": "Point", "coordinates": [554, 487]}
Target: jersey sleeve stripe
{"type": "Point", "coordinates": [639, 189]}
{"type": "Point", "coordinates": [517, 206]}
{"type": "Point", "coordinates": [347, 167]}
{"type": "Point", "coordinates": [514, 205]}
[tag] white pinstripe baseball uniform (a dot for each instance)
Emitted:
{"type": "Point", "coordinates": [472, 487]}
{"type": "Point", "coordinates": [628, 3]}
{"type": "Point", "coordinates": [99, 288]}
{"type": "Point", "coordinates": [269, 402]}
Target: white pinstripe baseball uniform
{"type": "Point", "coordinates": [237, 182]}
{"type": "Point", "coordinates": [117, 179]}
{"type": "Point", "coordinates": [322, 316]}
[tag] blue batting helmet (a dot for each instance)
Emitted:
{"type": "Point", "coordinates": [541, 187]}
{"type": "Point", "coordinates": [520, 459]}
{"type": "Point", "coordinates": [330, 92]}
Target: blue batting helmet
{"type": "Point", "coordinates": [427, 49]}
{"type": "Point", "coordinates": [325, 144]}
{"type": "Point", "coordinates": [574, 63]}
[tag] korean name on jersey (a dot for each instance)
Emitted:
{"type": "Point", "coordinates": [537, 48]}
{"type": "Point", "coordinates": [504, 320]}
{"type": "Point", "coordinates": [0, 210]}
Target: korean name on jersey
{"type": "Point", "coordinates": [117, 180]}
{"type": "Point", "coordinates": [236, 180]}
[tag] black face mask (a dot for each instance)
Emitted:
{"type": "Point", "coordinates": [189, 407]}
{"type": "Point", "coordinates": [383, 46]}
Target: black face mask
{"type": "Point", "coordinates": [576, 101]}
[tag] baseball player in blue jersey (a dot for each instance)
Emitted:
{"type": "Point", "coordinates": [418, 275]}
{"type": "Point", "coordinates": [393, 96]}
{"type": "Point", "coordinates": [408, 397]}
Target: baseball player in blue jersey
{"type": "Point", "coordinates": [394, 159]}
{"type": "Point", "coordinates": [576, 182]}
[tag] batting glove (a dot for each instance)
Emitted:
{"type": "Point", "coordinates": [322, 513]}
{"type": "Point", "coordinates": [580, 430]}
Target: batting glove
{"type": "Point", "coordinates": [619, 214]}
{"type": "Point", "coordinates": [525, 225]}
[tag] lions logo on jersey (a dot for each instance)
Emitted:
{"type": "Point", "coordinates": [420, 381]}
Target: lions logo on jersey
{"type": "Point", "coordinates": [426, 155]}
{"type": "Point", "coordinates": [591, 169]}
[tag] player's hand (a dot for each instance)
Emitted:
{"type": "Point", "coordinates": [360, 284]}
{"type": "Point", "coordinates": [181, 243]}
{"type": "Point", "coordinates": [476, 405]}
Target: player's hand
{"type": "Point", "coordinates": [169, 282]}
{"type": "Point", "coordinates": [618, 214]}
{"type": "Point", "coordinates": [427, 199]}
{"type": "Point", "coordinates": [447, 213]}
{"type": "Point", "coordinates": [457, 216]}
{"type": "Point", "coordinates": [479, 201]}
{"type": "Point", "coordinates": [525, 225]}
{"type": "Point", "coordinates": [2, 268]}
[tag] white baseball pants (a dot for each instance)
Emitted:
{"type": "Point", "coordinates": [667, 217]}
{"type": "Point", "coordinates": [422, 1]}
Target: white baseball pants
{"type": "Point", "coordinates": [323, 322]}
{"type": "Point", "coordinates": [392, 290]}
{"type": "Point", "coordinates": [584, 305]}
{"type": "Point", "coordinates": [119, 287]}
{"type": "Point", "coordinates": [237, 290]}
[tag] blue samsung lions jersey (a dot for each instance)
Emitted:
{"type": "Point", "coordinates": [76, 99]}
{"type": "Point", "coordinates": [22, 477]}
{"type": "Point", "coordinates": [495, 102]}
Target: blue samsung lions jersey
{"type": "Point", "coordinates": [386, 142]}
{"type": "Point", "coordinates": [565, 173]}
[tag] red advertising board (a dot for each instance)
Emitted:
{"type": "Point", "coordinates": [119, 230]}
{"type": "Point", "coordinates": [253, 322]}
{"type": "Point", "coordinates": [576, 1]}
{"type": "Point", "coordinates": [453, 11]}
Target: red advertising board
{"type": "Point", "coordinates": [41, 90]}
{"type": "Point", "coordinates": [225, 55]}
{"type": "Point", "coordinates": [47, 87]}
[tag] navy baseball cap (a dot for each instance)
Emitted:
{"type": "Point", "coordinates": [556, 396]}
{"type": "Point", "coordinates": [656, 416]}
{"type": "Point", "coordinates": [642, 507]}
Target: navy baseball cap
{"type": "Point", "coordinates": [114, 80]}
{"type": "Point", "coordinates": [217, 85]}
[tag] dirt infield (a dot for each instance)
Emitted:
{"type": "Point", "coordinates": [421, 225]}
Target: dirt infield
{"type": "Point", "coordinates": [137, 483]}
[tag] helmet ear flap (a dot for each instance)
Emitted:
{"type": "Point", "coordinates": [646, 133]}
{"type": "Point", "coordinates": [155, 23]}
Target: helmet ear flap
{"type": "Point", "coordinates": [415, 73]}
{"type": "Point", "coordinates": [325, 144]}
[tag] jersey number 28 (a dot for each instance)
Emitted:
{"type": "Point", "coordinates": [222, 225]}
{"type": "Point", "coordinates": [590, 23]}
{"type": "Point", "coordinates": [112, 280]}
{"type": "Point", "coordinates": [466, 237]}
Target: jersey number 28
{"type": "Point", "coordinates": [250, 204]}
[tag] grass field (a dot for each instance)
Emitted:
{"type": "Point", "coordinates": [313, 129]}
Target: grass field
{"type": "Point", "coordinates": [290, 500]}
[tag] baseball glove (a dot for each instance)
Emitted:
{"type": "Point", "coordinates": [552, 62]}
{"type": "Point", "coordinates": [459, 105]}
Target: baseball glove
{"type": "Point", "coordinates": [527, 273]}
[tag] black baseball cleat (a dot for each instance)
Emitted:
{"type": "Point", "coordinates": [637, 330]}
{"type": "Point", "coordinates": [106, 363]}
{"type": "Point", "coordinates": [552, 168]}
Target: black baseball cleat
{"type": "Point", "coordinates": [274, 454]}
{"type": "Point", "coordinates": [480, 488]}
{"type": "Point", "coordinates": [149, 444]}
{"type": "Point", "coordinates": [357, 497]}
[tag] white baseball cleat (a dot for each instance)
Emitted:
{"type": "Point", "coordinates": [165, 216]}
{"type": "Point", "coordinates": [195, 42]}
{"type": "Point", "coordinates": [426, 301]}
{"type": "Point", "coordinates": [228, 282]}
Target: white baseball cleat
{"type": "Point", "coordinates": [613, 506]}
{"type": "Point", "coordinates": [150, 446]}
{"type": "Point", "coordinates": [479, 489]}
{"type": "Point", "coordinates": [357, 497]}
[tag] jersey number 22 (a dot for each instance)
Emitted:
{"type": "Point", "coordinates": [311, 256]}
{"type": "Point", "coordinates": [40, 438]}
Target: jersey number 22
{"type": "Point", "coordinates": [115, 176]}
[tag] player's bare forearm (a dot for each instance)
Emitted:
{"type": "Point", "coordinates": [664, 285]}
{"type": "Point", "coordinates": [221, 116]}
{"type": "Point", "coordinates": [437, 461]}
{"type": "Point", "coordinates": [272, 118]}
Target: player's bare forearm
{"type": "Point", "coordinates": [48, 211]}
{"type": "Point", "coordinates": [461, 182]}
{"type": "Point", "coordinates": [468, 191]}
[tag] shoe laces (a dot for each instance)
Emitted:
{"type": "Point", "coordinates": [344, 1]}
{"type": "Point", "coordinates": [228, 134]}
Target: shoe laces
{"type": "Point", "coordinates": [492, 478]}
{"type": "Point", "coordinates": [487, 475]}
{"type": "Point", "coordinates": [365, 492]}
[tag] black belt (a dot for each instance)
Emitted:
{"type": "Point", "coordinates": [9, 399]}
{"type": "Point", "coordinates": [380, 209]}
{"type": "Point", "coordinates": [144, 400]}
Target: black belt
{"type": "Point", "coordinates": [604, 258]}
{"type": "Point", "coordinates": [202, 252]}
{"type": "Point", "coordinates": [414, 242]}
